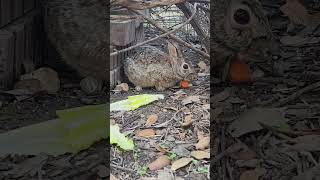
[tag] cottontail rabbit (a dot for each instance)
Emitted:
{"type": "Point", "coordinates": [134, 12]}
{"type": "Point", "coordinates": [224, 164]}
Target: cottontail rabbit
{"type": "Point", "coordinates": [240, 26]}
{"type": "Point", "coordinates": [77, 29]}
{"type": "Point", "coordinates": [151, 67]}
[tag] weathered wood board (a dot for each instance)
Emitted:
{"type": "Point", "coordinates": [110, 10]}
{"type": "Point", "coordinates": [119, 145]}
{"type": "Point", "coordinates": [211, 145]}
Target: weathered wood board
{"type": "Point", "coordinates": [6, 59]}
{"type": "Point", "coordinates": [5, 12]}
{"type": "Point", "coordinates": [28, 5]}
{"type": "Point", "coordinates": [16, 9]}
{"type": "Point", "coordinates": [18, 30]}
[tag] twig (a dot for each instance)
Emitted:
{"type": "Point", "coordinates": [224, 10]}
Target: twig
{"type": "Point", "coordinates": [122, 168]}
{"type": "Point", "coordinates": [161, 36]}
{"type": "Point", "coordinates": [297, 94]}
{"type": "Point", "coordinates": [177, 39]}
{"type": "Point", "coordinates": [231, 149]}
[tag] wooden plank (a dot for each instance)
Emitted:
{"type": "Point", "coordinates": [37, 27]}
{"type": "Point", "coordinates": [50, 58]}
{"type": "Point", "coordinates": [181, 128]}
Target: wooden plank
{"type": "Point", "coordinates": [16, 9]}
{"type": "Point", "coordinates": [5, 14]}
{"type": "Point", "coordinates": [122, 32]}
{"type": "Point", "coordinates": [18, 31]}
{"type": "Point", "coordinates": [6, 59]}
{"type": "Point", "coordinates": [29, 42]}
{"type": "Point", "coordinates": [28, 5]}
{"type": "Point", "coordinates": [38, 37]}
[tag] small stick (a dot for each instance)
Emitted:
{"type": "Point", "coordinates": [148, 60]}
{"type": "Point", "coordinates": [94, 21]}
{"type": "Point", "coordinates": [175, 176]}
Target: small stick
{"type": "Point", "coordinates": [297, 94]}
{"type": "Point", "coordinates": [161, 36]}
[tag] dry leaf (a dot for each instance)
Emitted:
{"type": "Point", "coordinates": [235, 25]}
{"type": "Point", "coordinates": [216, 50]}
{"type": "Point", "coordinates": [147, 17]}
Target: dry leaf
{"type": "Point", "coordinates": [296, 12]}
{"type": "Point", "coordinates": [307, 143]}
{"type": "Point", "coordinates": [249, 175]}
{"type": "Point", "coordinates": [191, 99]}
{"type": "Point", "coordinates": [160, 149]}
{"type": "Point", "coordinates": [244, 154]}
{"type": "Point", "coordinates": [152, 119]}
{"type": "Point", "coordinates": [203, 143]}
{"type": "Point", "coordinates": [180, 163]}
{"type": "Point", "coordinates": [250, 121]}
{"type": "Point", "coordinates": [146, 133]}
{"type": "Point", "coordinates": [159, 163]}
{"type": "Point", "coordinates": [187, 121]}
{"type": "Point", "coordinates": [112, 177]}
{"type": "Point", "coordinates": [200, 154]}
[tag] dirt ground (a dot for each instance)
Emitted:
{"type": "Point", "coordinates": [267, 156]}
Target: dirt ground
{"type": "Point", "coordinates": [178, 141]}
{"type": "Point", "coordinates": [279, 140]}
{"type": "Point", "coordinates": [89, 164]}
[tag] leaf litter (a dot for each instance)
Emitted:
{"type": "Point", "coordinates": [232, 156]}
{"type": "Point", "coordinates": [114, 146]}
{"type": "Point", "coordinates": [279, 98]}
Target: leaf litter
{"type": "Point", "coordinates": [164, 132]}
{"type": "Point", "coordinates": [273, 132]}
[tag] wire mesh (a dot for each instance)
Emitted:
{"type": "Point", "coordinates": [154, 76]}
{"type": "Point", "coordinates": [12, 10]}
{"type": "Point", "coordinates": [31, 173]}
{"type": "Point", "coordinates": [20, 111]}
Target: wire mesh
{"type": "Point", "coordinates": [169, 17]}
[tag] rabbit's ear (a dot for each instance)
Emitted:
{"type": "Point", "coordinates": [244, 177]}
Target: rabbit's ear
{"type": "Point", "coordinates": [172, 50]}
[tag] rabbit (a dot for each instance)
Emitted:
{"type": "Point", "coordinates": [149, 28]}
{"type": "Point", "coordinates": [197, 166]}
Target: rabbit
{"type": "Point", "coordinates": [240, 27]}
{"type": "Point", "coordinates": [78, 30]}
{"type": "Point", "coordinates": [151, 67]}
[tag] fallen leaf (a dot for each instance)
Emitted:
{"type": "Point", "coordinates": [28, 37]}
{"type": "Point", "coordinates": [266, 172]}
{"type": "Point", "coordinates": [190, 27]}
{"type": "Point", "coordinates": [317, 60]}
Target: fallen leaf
{"type": "Point", "coordinates": [160, 149]}
{"type": "Point", "coordinates": [180, 163]}
{"type": "Point", "coordinates": [308, 174]}
{"type": "Point", "coordinates": [245, 153]}
{"type": "Point", "coordinates": [112, 177]}
{"type": "Point", "coordinates": [159, 163]}
{"type": "Point", "coordinates": [203, 143]}
{"type": "Point", "coordinates": [122, 87]}
{"type": "Point", "coordinates": [146, 133]}
{"type": "Point", "coordinates": [221, 96]}
{"type": "Point", "coordinates": [298, 40]}
{"type": "Point", "coordinates": [249, 175]}
{"type": "Point", "coordinates": [191, 99]}
{"type": "Point", "coordinates": [31, 164]}
{"type": "Point", "coordinates": [307, 143]}
{"type": "Point", "coordinates": [200, 154]}
{"type": "Point", "coordinates": [187, 121]}
{"type": "Point", "coordinates": [296, 12]}
{"type": "Point", "coordinates": [250, 121]}
{"type": "Point", "coordinates": [118, 138]}
{"type": "Point", "coordinates": [152, 119]}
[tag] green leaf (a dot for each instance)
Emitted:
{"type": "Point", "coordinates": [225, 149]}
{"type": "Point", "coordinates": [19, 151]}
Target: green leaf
{"type": "Point", "coordinates": [116, 137]}
{"type": "Point", "coordinates": [134, 102]}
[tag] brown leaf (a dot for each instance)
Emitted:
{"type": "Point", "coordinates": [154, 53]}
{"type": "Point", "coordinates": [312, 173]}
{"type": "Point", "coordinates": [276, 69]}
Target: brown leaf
{"type": "Point", "coordinates": [249, 175]}
{"type": "Point", "coordinates": [159, 163]}
{"type": "Point", "coordinates": [160, 149]}
{"type": "Point", "coordinates": [200, 154]}
{"type": "Point", "coordinates": [203, 143]}
{"type": "Point", "coordinates": [112, 177]}
{"type": "Point", "coordinates": [296, 12]}
{"type": "Point", "coordinates": [187, 121]}
{"type": "Point", "coordinates": [191, 99]}
{"type": "Point", "coordinates": [152, 119]}
{"type": "Point", "coordinates": [180, 163]}
{"type": "Point", "coordinates": [146, 133]}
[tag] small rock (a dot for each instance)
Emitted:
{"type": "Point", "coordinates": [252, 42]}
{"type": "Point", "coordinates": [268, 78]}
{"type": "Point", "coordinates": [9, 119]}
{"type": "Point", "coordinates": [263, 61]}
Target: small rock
{"type": "Point", "coordinates": [181, 151]}
{"type": "Point", "coordinates": [123, 87]}
{"type": "Point", "coordinates": [102, 171]}
{"type": "Point", "coordinates": [171, 138]}
{"type": "Point", "coordinates": [91, 85]}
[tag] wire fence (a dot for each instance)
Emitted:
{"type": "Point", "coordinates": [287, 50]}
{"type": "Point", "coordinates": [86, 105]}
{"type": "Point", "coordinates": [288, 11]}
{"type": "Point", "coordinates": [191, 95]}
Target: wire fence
{"type": "Point", "coordinates": [169, 17]}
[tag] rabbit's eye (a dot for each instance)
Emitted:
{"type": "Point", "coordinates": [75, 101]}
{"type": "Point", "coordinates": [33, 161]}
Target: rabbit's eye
{"type": "Point", "coordinates": [241, 16]}
{"type": "Point", "coordinates": [185, 66]}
